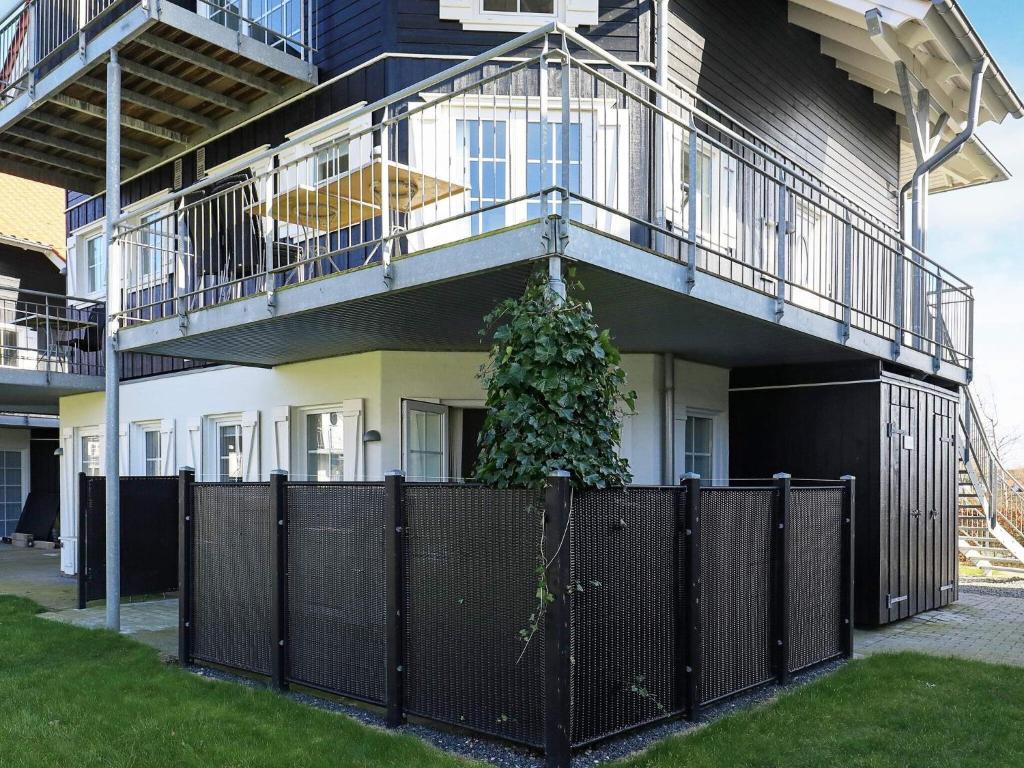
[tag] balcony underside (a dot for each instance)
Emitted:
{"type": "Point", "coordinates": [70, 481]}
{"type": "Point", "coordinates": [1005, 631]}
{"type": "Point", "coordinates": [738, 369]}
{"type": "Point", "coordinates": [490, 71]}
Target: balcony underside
{"type": "Point", "coordinates": [185, 79]}
{"type": "Point", "coordinates": [28, 391]}
{"type": "Point", "coordinates": [437, 299]}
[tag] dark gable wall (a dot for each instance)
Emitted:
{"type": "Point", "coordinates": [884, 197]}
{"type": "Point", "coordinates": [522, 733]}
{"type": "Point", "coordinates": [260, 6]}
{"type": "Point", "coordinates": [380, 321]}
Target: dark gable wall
{"type": "Point", "coordinates": [745, 57]}
{"type": "Point", "coordinates": [33, 269]}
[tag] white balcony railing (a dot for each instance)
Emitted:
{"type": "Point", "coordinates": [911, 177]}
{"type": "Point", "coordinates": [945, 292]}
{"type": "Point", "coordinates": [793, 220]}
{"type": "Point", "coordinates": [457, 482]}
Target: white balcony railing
{"type": "Point", "coordinates": [548, 124]}
{"type": "Point", "coordinates": [38, 33]}
{"type": "Point", "coordinates": [51, 333]}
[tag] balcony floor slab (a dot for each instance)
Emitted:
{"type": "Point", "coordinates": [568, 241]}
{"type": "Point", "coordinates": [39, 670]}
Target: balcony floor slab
{"type": "Point", "coordinates": [28, 391]}
{"type": "Point", "coordinates": [437, 299]}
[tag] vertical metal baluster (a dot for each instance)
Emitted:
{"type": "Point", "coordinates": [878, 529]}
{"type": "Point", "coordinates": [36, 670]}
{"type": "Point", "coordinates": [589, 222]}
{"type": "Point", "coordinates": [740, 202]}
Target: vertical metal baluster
{"type": "Point", "coordinates": [692, 202]}
{"type": "Point", "coordinates": [782, 236]}
{"type": "Point", "coordinates": [847, 275]}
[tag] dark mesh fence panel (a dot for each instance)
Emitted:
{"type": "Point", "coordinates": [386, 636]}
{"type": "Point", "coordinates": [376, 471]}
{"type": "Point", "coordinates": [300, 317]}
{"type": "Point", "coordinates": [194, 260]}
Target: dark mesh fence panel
{"type": "Point", "coordinates": [815, 575]}
{"type": "Point", "coordinates": [233, 566]}
{"type": "Point", "coordinates": [471, 556]}
{"type": "Point", "coordinates": [736, 582]}
{"type": "Point", "coordinates": [149, 535]}
{"type": "Point", "coordinates": [336, 588]}
{"type": "Point", "coordinates": [624, 630]}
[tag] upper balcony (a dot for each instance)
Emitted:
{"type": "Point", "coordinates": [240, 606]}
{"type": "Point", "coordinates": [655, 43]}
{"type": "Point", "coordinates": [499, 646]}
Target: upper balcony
{"type": "Point", "coordinates": [191, 69]}
{"type": "Point", "coordinates": [419, 212]}
{"type": "Point", "coordinates": [50, 346]}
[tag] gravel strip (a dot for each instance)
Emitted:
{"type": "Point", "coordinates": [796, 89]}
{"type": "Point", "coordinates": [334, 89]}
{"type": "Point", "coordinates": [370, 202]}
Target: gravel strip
{"type": "Point", "coordinates": [504, 756]}
{"type": "Point", "coordinates": [1000, 587]}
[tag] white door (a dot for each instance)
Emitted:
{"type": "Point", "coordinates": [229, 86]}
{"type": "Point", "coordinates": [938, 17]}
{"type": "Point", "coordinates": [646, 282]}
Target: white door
{"type": "Point", "coordinates": [424, 441]}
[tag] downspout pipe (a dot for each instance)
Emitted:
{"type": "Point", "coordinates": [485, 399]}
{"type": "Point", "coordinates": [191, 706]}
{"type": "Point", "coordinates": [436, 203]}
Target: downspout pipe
{"type": "Point", "coordinates": [944, 154]}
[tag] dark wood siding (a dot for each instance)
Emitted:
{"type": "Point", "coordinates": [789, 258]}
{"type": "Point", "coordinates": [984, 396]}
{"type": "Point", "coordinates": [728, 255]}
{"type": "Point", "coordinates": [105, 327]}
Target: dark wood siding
{"type": "Point", "coordinates": [747, 59]}
{"type": "Point", "coordinates": [896, 437]}
{"type": "Point", "coordinates": [35, 271]}
{"type": "Point", "coordinates": [349, 32]}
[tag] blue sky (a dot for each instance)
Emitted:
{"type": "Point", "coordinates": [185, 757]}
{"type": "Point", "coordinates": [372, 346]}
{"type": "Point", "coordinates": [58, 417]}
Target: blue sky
{"type": "Point", "coordinates": [979, 233]}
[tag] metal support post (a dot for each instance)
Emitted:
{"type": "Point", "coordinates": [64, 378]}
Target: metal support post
{"type": "Point", "coordinates": [691, 629]}
{"type": "Point", "coordinates": [557, 622]}
{"type": "Point", "coordinates": [780, 547]}
{"type": "Point", "coordinates": [112, 362]}
{"type": "Point", "coordinates": [394, 530]}
{"type": "Point", "coordinates": [847, 565]}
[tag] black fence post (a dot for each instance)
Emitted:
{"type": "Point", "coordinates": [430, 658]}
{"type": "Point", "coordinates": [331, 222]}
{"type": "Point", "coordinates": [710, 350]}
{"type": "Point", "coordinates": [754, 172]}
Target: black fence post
{"type": "Point", "coordinates": [83, 532]}
{"type": "Point", "coordinates": [394, 528]}
{"type": "Point", "coordinates": [846, 600]}
{"type": "Point", "coordinates": [186, 477]}
{"type": "Point", "coordinates": [557, 621]}
{"type": "Point", "coordinates": [780, 542]}
{"type": "Point", "coordinates": [279, 596]}
{"type": "Point", "coordinates": [690, 629]}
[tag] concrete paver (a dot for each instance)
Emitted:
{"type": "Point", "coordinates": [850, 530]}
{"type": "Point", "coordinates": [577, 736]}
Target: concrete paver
{"type": "Point", "coordinates": [35, 574]}
{"type": "Point", "coordinates": [984, 626]}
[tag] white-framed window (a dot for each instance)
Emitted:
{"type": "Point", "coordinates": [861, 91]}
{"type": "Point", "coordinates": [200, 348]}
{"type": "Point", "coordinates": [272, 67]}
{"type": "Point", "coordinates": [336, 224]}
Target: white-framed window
{"type": "Point", "coordinates": [497, 152]}
{"type": "Point", "coordinates": [146, 446]}
{"type": "Point", "coordinates": [95, 264]}
{"type": "Point", "coordinates": [718, 192]}
{"type": "Point", "coordinates": [424, 441]}
{"type": "Point", "coordinates": [274, 22]}
{"type": "Point", "coordinates": [331, 160]}
{"type": "Point", "coordinates": [91, 454]}
{"type": "Point", "coordinates": [153, 244]}
{"type": "Point", "coordinates": [223, 451]}
{"type": "Point", "coordinates": [699, 448]}
{"type": "Point", "coordinates": [519, 15]}
{"type": "Point", "coordinates": [320, 435]}
{"type": "Point", "coordinates": [11, 489]}
{"type": "Point", "coordinates": [151, 451]}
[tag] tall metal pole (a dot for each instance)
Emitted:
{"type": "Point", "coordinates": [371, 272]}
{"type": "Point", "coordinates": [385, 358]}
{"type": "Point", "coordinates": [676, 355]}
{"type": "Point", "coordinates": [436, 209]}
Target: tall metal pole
{"type": "Point", "coordinates": [111, 361]}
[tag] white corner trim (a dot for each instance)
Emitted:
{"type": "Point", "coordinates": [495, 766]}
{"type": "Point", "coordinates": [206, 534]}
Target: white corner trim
{"type": "Point", "coordinates": [471, 15]}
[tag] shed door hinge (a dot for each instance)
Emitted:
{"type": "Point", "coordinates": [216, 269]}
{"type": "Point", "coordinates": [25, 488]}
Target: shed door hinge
{"type": "Point", "coordinates": [891, 429]}
{"type": "Point", "coordinates": [894, 600]}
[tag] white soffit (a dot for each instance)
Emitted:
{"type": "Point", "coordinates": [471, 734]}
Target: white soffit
{"type": "Point", "coordinates": [939, 47]}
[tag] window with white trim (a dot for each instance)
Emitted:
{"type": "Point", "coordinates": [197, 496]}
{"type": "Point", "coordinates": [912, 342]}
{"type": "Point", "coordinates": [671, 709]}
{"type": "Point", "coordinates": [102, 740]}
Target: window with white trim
{"type": "Point", "coordinates": [95, 264]}
{"type": "Point", "coordinates": [425, 441]}
{"type": "Point", "coordinates": [91, 458]}
{"type": "Point", "coordinates": [700, 445]}
{"type": "Point", "coordinates": [152, 451]}
{"type": "Point", "coordinates": [223, 453]}
{"type": "Point", "coordinates": [519, 15]}
{"type": "Point", "coordinates": [321, 440]}
{"type": "Point", "coordinates": [498, 154]}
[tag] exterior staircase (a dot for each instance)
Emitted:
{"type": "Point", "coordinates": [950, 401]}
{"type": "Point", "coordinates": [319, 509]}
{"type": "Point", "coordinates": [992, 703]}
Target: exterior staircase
{"type": "Point", "coordinates": [990, 519]}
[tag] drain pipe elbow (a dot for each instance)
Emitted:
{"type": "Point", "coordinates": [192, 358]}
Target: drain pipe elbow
{"type": "Point", "coordinates": [948, 151]}
{"type": "Point", "coordinates": [954, 146]}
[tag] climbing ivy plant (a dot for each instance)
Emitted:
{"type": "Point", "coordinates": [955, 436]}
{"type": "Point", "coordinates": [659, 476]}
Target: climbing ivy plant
{"type": "Point", "coordinates": [555, 393]}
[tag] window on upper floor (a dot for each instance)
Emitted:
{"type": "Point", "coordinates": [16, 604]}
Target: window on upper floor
{"type": "Point", "coordinates": [520, 6]}
{"type": "Point", "coordinates": [95, 264]}
{"type": "Point", "coordinates": [519, 15]}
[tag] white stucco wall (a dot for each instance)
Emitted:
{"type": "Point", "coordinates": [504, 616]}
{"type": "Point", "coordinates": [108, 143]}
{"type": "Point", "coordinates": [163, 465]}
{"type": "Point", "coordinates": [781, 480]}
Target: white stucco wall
{"type": "Point", "coordinates": [371, 386]}
{"type": "Point", "coordinates": [704, 391]}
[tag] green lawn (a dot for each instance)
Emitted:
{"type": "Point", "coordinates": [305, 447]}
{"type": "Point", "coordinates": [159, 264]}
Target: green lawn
{"type": "Point", "coordinates": [75, 697]}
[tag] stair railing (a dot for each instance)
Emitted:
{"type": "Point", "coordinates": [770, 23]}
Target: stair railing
{"type": "Point", "coordinates": [998, 490]}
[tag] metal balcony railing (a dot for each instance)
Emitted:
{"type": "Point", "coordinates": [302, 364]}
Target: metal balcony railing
{"type": "Point", "coordinates": [52, 333]}
{"type": "Point", "coordinates": [36, 34]}
{"type": "Point", "coordinates": [546, 125]}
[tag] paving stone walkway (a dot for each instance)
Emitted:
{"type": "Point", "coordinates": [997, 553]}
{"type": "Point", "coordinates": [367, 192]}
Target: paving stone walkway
{"type": "Point", "coordinates": [154, 622]}
{"type": "Point", "coordinates": [985, 624]}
